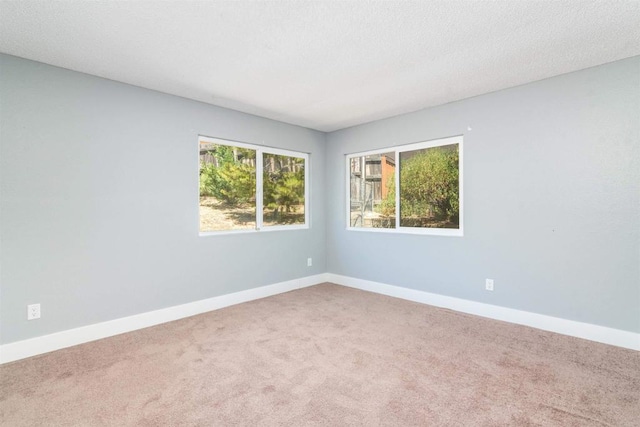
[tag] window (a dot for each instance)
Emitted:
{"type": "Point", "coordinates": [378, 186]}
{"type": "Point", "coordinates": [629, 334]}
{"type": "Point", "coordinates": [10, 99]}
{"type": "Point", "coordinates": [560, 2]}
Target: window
{"type": "Point", "coordinates": [283, 183]}
{"type": "Point", "coordinates": [372, 190]}
{"type": "Point", "coordinates": [414, 188]}
{"type": "Point", "coordinates": [244, 187]}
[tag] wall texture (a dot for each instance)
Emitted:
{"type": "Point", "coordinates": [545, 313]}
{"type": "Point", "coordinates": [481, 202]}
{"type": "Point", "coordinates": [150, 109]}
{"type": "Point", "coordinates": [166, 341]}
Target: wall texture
{"type": "Point", "coordinates": [551, 200]}
{"type": "Point", "coordinates": [99, 202]}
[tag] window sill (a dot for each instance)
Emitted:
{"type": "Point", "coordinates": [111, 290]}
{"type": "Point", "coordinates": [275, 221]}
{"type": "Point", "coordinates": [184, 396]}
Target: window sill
{"type": "Point", "coordinates": [406, 230]}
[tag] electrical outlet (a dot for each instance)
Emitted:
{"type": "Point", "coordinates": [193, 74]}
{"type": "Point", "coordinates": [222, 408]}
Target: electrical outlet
{"type": "Point", "coordinates": [488, 284]}
{"type": "Point", "coordinates": [33, 311]}
{"type": "Point", "coordinates": [309, 262]}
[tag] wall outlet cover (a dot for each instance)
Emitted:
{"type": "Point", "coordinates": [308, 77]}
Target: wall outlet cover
{"type": "Point", "coordinates": [489, 284]}
{"type": "Point", "coordinates": [33, 311]}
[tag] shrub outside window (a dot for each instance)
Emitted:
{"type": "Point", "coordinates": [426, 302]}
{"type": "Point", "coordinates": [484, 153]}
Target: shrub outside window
{"type": "Point", "coordinates": [283, 195]}
{"type": "Point", "coordinates": [245, 187]}
{"type": "Point", "coordinates": [415, 188]}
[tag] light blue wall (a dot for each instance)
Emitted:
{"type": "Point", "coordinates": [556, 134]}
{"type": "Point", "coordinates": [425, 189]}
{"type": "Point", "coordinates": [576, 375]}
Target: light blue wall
{"type": "Point", "coordinates": [99, 202]}
{"type": "Point", "coordinates": [551, 206]}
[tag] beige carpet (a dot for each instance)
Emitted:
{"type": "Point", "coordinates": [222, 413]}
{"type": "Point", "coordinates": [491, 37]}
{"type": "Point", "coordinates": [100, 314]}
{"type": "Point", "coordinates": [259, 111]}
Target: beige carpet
{"type": "Point", "coordinates": [327, 355]}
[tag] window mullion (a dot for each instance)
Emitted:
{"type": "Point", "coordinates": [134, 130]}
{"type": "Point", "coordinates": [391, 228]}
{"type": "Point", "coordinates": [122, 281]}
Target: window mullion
{"type": "Point", "coordinates": [307, 192]}
{"type": "Point", "coordinates": [259, 191]}
{"type": "Point", "coordinates": [397, 185]}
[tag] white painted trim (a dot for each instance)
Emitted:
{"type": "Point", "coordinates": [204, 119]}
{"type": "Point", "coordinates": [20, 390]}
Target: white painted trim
{"type": "Point", "coordinates": [572, 328]}
{"type": "Point", "coordinates": [347, 182]}
{"type": "Point", "coordinates": [227, 142]}
{"type": "Point", "coordinates": [44, 344]}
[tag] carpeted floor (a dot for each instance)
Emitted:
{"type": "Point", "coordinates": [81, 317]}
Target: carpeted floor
{"type": "Point", "coordinates": [327, 355]}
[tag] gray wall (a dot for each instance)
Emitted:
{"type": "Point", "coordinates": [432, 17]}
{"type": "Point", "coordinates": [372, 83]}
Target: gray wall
{"type": "Point", "coordinates": [99, 202]}
{"type": "Point", "coordinates": [551, 205]}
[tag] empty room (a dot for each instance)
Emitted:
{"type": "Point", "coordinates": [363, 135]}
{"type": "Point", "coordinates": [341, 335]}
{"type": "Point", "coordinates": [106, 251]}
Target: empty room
{"type": "Point", "coordinates": [394, 213]}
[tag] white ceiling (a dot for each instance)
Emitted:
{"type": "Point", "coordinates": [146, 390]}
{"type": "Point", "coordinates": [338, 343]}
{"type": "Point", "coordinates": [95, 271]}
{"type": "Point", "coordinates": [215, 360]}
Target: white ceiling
{"type": "Point", "coordinates": [325, 65]}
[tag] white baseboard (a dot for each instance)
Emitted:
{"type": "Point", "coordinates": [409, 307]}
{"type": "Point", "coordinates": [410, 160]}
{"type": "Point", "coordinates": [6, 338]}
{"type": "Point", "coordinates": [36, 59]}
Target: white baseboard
{"type": "Point", "coordinates": [572, 328]}
{"type": "Point", "coordinates": [44, 344]}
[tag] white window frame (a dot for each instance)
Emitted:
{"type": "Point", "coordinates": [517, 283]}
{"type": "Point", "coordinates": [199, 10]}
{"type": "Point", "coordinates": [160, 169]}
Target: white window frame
{"type": "Point", "coordinates": [401, 149]}
{"type": "Point", "coordinates": [260, 150]}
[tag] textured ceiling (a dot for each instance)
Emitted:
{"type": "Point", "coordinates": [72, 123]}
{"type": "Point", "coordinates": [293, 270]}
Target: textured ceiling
{"type": "Point", "coordinates": [325, 65]}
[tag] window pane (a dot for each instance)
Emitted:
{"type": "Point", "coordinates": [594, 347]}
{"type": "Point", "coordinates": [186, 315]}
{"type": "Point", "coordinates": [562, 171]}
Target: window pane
{"type": "Point", "coordinates": [283, 190]}
{"type": "Point", "coordinates": [429, 187]}
{"type": "Point", "coordinates": [227, 187]}
{"type": "Point", "coordinates": [372, 191]}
